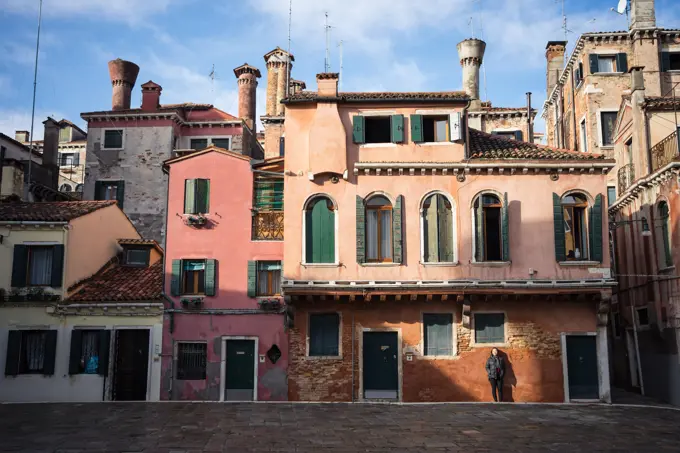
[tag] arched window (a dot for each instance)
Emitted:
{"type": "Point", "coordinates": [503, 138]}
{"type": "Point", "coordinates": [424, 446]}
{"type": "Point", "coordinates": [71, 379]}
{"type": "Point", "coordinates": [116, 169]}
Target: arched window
{"type": "Point", "coordinates": [437, 213]}
{"type": "Point", "coordinates": [578, 227]}
{"type": "Point", "coordinates": [320, 231]}
{"type": "Point", "coordinates": [65, 188]}
{"type": "Point", "coordinates": [491, 228]}
{"type": "Point", "coordinates": [665, 257]}
{"type": "Point", "coordinates": [79, 188]}
{"type": "Point", "coordinates": [379, 230]}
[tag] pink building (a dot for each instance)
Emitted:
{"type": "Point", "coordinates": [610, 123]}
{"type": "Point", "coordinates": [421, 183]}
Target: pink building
{"type": "Point", "coordinates": [224, 336]}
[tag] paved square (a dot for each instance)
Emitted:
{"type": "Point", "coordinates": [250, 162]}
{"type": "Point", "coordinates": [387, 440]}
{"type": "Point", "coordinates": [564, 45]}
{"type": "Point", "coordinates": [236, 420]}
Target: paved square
{"type": "Point", "coordinates": [245, 427]}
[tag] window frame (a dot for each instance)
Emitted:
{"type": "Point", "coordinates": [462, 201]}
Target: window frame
{"type": "Point", "coordinates": [480, 196]}
{"type": "Point", "coordinates": [23, 359]}
{"type": "Point", "coordinates": [607, 56]}
{"type": "Point", "coordinates": [204, 374]}
{"type": "Point", "coordinates": [440, 116]}
{"type": "Point", "coordinates": [610, 201]}
{"type": "Point", "coordinates": [453, 230]}
{"type": "Point", "coordinates": [270, 276]}
{"type": "Point", "coordinates": [195, 207]}
{"type": "Point", "coordinates": [600, 128]}
{"type": "Point", "coordinates": [585, 257]}
{"type": "Point", "coordinates": [147, 256]}
{"type": "Point", "coordinates": [30, 248]}
{"type": "Point", "coordinates": [473, 329]}
{"type": "Point", "coordinates": [672, 53]}
{"type": "Point", "coordinates": [379, 216]}
{"type": "Point", "coordinates": [308, 351]}
{"type": "Point", "coordinates": [209, 141]}
{"type": "Point", "coordinates": [307, 205]}
{"type": "Point", "coordinates": [122, 138]}
{"type": "Point", "coordinates": [196, 278]}
{"type": "Point", "coordinates": [454, 335]}
{"type": "Point", "coordinates": [637, 318]}
{"type": "Point", "coordinates": [583, 135]}
{"type": "Point", "coordinates": [116, 183]}
{"type": "Point", "coordinates": [97, 333]}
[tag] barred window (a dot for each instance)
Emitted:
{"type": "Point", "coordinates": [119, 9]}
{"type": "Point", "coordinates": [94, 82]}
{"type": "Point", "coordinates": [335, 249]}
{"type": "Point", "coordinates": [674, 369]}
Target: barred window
{"type": "Point", "coordinates": [191, 361]}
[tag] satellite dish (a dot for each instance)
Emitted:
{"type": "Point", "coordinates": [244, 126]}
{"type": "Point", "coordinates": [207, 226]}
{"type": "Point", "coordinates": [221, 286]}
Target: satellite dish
{"type": "Point", "coordinates": [623, 6]}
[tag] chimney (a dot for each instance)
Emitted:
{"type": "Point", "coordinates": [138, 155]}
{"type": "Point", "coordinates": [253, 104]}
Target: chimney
{"type": "Point", "coordinates": [22, 136]}
{"type": "Point", "coordinates": [554, 55]}
{"type": "Point", "coordinates": [247, 76]}
{"type": "Point", "coordinates": [296, 86]}
{"type": "Point", "coordinates": [637, 80]}
{"type": "Point", "coordinates": [530, 126]}
{"type": "Point", "coordinates": [328, 84]}
{"type": "Point", "coordinates": [279, 64]}
{"type": "Point", "coordinates": [642, 14]}
{"type": "Point", "coordinates": [151, 96]}
{"type": "Point", "coordinates": [471, 55]}
{"type": "Point", "coordinates": [51, 150]}
{"type": "Point", "coordinates": [123, 77]}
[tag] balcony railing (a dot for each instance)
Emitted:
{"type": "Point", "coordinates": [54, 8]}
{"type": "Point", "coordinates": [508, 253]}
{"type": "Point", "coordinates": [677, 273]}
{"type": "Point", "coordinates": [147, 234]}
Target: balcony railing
{"type": "Point", "coordinates": [665, 151]}
{"type": "Point", "coordinates": [267, 226]}
{"type": "Point", "coordinates": [626, 177]}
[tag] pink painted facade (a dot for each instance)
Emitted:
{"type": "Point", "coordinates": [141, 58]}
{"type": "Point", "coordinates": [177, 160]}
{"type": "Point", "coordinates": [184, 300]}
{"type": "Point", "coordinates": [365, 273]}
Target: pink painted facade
{"type": "Point", "coordinates": [229, 314]}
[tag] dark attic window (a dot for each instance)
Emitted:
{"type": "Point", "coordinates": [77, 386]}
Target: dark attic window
{"type": "Point", "coordinates": [138, 257]}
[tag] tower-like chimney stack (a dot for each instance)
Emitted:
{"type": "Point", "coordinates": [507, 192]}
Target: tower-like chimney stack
{"type": "Point", "coordinates": [279, 64]}
{"type": "Point", "coordinates": [51, 151]}
{"type": "Point", "coordinates": [123, 77]}
{"type": "Point", "coordinates": [247, 76]}
{"type": "Point", "coordinates": [471, 54]}
{"type": "Point", "coordinates": [554, 56]}
{"type": "Point", "coordinates": [642, 14]}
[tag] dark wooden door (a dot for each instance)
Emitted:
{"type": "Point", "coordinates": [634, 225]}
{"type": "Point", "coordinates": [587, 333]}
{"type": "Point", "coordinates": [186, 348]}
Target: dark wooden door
{"type": "Point", "coordinates": [131, 365]}
{"type": "Point", "coordinates": [381, 369]}
{"type": "Point", "coordinates": [582, 367]}
{"type": "Point", "coordinates": [240, 374]}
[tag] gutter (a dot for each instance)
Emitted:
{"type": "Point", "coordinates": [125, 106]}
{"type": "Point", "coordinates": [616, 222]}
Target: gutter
{"type": "Point", "coordinates": [340, 99]}
{"type": "Point", "coordinates": [639, 184]}
{"type": "Point", "coordinates": [604, 164]}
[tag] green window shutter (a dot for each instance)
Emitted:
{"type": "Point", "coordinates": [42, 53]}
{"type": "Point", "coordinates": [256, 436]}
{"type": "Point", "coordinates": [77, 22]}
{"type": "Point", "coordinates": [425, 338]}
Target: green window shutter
{"type": "Point", "coordinates": [397, 122]}
{"type": "Point", "coordinates": [358, 129]}
{"type": "Point", "coordinates": [120, 193]}
{"type": "Point", "coordinates": [20, 266]}
{"type": "Point", "coordinates": [596, 230]}
{"type": "Point", "coordinates": [57, 265]}
{"type": "Point", "coordinates": [593, 63]}
{"type": "Point", "coordinates": [13, 353]}
{"type": "Point", "coordinates": [252, 278]}
{"type": "Point", "coordinates": [445, 227]}
{"type": "Point", "coordinates": [479, 231]}
{"type": "Point", "coordinates": [309, 236]}
{"type": "Point", "coordinates": [438, 334]}
{"type": "Point", "coordinates": [664, 219]}
{"type": "Point", "coordinates": [665, 61]}
{"type": "Point", "coordinates": [320, 232]}
{"type": "Point", "coordinates": [176, 278]}
{"type": "Point", "coordinates": [489, 327]}
{"type": "Point", "coordinates": [417, 129]}
{"type": "Point", "coordinates": [430, 232]}
{"type": "Point", "coordinates": [558, 223]}
{"type": "Point", "coordinates": [519, 136]}
{"type": "Point", "coordinates": [50, 352]}
{"type": "Point", "coordinates": [327, 233]}
{"type": "Point", "coordinates": [396, 229]}
{"type": "Point", "coordinates": [621, 62]}
{"type": "Point", "coordinates": [361, 230]}
{"type": "Point", "coordinates": [104, 343]}
{"type": "Point", "coordinates": [202, 196]}
{"type": "Point", "coordinates": [98, 190]}
{"type": "Point", "coordinates": [210, 267]}
{"type": "Point", "coordinates": [190, 196]}
{"type": "Point", "coordinates": [278, 196]}
{"type": "Point", "coordinates": [76, 350]}
{"type": "Point", "coordinates": [505, 230]}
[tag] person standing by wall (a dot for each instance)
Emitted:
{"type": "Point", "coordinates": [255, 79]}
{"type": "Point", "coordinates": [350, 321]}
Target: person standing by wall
{"type": "Point", "coordinates": [495, 369]}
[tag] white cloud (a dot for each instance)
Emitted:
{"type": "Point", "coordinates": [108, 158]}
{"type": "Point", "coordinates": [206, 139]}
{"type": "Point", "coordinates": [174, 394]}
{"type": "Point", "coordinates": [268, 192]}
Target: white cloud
{"type": "Point", "coordinates": [20, 120]}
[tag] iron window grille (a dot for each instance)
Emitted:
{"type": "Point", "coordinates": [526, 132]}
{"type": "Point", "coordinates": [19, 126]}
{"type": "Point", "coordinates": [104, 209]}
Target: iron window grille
{"type": "Point", "coordinates": [191, 361]}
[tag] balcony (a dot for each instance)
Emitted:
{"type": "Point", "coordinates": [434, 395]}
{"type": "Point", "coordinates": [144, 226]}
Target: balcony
{"type": "Point", "coordinates": [665, 151]}
{"type": "Point", "coordinates": [267, 226]}
{"type": "Point", "coordinates": [626, 177]}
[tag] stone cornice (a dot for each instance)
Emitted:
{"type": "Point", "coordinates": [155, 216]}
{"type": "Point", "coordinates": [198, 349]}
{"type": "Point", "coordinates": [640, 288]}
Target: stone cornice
{"type": "Point", "coordinates": [139, 309]}
{"type": "Point", "coordinates": [652, 180]}
{"type": "Point", "coordinates": [173, 116]}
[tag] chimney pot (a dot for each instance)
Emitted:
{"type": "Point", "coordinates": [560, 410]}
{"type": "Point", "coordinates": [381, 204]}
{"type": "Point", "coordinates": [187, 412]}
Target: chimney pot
{"type": "Point", "coordinates": [51, 151]}
{"type": "Point", "coordinates": [151, 96]}
{"type": "Point", "coordinates": [642, 14]}
{"type": "Point", "coordinates": [554, 55]}
{"type": "Point", "coordinates": [247, 76]}
{"type": "Point", "coordinates": [328, 84]}
{"type": "Point", "coordinates": [123, 76]}
{"type": "Point", "coordinates": [637, 79]}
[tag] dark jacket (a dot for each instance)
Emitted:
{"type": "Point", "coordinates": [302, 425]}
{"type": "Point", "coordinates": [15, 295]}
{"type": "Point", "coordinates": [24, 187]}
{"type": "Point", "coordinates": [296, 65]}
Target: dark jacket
{"type": "Point", "coordinates": [494, 363]}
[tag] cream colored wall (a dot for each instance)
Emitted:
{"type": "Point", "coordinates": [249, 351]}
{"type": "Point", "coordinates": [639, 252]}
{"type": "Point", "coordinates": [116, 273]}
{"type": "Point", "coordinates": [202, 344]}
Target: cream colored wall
{"type": "Point", "coordinates": [93, 240]}
{"type": "Point", "coordinates": [661, 125]}
{"type": "Point", "coordinates": [12, 181]}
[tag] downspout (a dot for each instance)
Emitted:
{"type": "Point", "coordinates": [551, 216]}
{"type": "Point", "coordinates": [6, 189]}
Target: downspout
{"type": "Point", "coordinates": [573, 111]}
{"type": "Point", "coordinates": [530, 127]}
{"type": "Point", "coordinates": [466, 142]}
{"type": "Point", "coordinates": [637, 347]}
{"type": "Point", "coordinates": [353, 338]}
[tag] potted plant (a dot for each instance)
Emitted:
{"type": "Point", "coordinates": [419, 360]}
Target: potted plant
{"type": "Point", "coordinates": [197, 220]}
{"type": "Point", "coordinates": [35, 294]}
{"type": "Point", "coordinates": [16, 295]}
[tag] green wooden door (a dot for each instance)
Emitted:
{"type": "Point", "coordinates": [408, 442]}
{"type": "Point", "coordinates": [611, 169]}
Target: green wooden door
{"type": "Point", "coordinates": [320, 233]}
{"type": "Point", "coordinates": [240, 374]}
{"type": "Point", "coordinates": [582, 367]}
{"type": "Point", "coordinates": [381, 372]}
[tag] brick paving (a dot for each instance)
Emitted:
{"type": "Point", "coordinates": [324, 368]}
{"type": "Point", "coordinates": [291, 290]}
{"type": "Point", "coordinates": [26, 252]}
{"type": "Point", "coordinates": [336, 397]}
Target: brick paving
{"type": "Point", "coordinates": [243, 427]}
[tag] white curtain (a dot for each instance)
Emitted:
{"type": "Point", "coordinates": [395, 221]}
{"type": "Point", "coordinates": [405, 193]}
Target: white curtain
{"type": "Point", "coordinates": [40, 266]}
{"type": "Point", "coordinates": [371, 234]}
{"type": "Point", "coordinates": [386, 234]}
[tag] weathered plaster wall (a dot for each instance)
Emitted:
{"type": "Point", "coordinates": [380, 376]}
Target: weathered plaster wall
{"type": "Point", "coordinates": [501, 123]}
{"type": "Point", "coordinates": [12, 181]}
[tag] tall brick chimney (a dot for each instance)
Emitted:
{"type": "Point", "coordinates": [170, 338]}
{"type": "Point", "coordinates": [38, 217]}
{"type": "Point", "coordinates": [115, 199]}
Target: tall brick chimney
{"type": "Point", "coordinates": [51, 150]}
{"type": "Point", "coordinates": [328, 84]}
{"type": "Point", "coordinates": [471, 55]}
{"type": "Point", "coordinates": [123, 77]}
{"type": "Point", "coordinates": [279, 64]}
{"type": "Point", "coordinates": [247, 76]}
{"type": "Point", "coordinates": [554, 55]}
{"type": "Point", "coordinates": [642, 14]}
{"type": "Point", "coordinates": [151, 96]}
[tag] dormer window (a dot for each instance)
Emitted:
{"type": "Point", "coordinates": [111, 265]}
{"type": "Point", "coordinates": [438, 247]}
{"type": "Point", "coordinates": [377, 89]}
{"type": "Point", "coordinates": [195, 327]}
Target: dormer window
{"type": "Point", "coordinates": [137, 256]}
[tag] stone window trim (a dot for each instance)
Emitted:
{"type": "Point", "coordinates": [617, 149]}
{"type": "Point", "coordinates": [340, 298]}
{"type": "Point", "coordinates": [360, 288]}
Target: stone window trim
{"type": "Point", "coordinates": [454, 334]}
{"type": "Point", "coordinates": [338, 357]}
{"type": "Point", "coordinates": [637, 318]}
{"type": "Point", "coordinates": [474, 261]}
{"type": "Point", "coordinates": [583, 135]}
{"type": "Point", "coordinates": [473, 341]}
{"type": "Point", "coordinates": [600, 137]}
{"type": "Point", "coordinates": [579, 263]}
{"type": "Point", "coordinates": [103, 136]}
{"type": "Point", "coordinates": [209, 139]}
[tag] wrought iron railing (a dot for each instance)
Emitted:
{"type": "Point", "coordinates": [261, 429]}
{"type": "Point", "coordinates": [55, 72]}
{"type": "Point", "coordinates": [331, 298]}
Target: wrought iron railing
{"type": "Point", "coordinates": [626, 177]}
{"type": "Point", "coordinates": [267, 226]}
{"type": "Point", "coordinates": [665, 151]}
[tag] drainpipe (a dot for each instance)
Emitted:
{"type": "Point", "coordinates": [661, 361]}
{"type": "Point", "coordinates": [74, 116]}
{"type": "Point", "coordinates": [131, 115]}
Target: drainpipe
{"type": "Point", "coordinates": [573, 112]}
{"type": "Point", "coordinates": [353, 336]}
{"type": "Point", "coordinates": [637, 348]}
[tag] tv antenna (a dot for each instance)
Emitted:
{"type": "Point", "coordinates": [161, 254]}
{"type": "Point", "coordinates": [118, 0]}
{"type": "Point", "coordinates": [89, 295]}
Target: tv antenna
{"type": "Point", "coordinates": [471, 23]}
{"type": "Point", "coordinates": [622, 8]}
{"type": "Point", "coordinates": [340, 76]}
{"type": "Point", "coordinates": [564, 27]}
{"type": "Point", "coordinates": [327, 29]}
{"type": "Point", "coordinates": [212, 75]}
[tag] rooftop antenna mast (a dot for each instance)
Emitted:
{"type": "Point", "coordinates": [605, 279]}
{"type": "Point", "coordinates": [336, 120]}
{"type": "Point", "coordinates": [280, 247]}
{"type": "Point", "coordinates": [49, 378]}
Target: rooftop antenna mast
{"type": "Point", "coordinates": [35, 84]}
{"type": "Point", "coordinates": [481, 36]}
{"type": "Point", "coordinates": [212, 81]}
{"type": "Point", "coordinates": [290, 20]}
{"type": "Point", "coordinates": [623, 8]}
{"type": "Point", "coordinates": [340, 77]}
{"type": "Point", "coordinates": [471, 23]}
{"type": "Point", "coordinates": [327, 63]}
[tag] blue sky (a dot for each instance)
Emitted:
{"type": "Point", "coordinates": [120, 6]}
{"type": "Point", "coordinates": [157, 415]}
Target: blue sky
{"type": "Point", "coordinates": [400, 45]}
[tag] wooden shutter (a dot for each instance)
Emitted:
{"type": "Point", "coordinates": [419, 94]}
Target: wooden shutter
{"type": "Point", "coordinates": [397, 123]}
{"type": "Point", "coordinates": [665, 61]}
{"type": "Point", "coordinates": [210, 267]}
{"type": "Point", "coordinates": [76, 159]}
{"type": "Point", "coordinates": [252, 278]}
{"type": "Point", "coordinates": [98, 189]}
{"type": "Point", "coordinates": [176, 278]}
{"type": "Point", "coordinates": [489, 327]}
{"type": "Point", "coordinates": [417, 135]}
{"type": "Point", "coordinates": [596, 230]}
{"type": "Point", "coordinates": [120, 193]}
{"type": "Point", "coordinates": [445, 230]}
{"type": "Point", "coordinates": [438, 334]}
{"type": "Point", "coordinates": [50, 352]}
{"type": "Point", "coordinates": [20, 266]}
{"type": "Point", "coordinates": [202, 196]}
{"type": "Point", "coordinates": [282, 146]}
{"type": "Point", "coordinates": [104, 345]}
{"type": "Point", "coordinates": [558, 224]}
{"type": "Point", "coordinates": [326, 232]}
{"type": "Point", "coordinates": [190, 196]}
{"type": "Point", "coordinates": [358, 129]}
{"type": "Point", "coordinates": [430, 233]}
{"type": "Point", "coordinates": [479, 230]}
{"type": "Point", "coordinates": [13, 353]}
{"type": "Point", "coordinates": [519, 136]}
{"type": "Point", "coordinates": [57, 265]}
{"type": "Point", "coordinates": [361, 230]}
{"type": "Point", "coordinates": [621, 62]}
{"type": "Point", "coordinates": [505, 230]}
{"type": "Point", "coordinates": [76, 351]}
{"type": "Point", "coordinates": [309, 236]}
{"type": "Point", "coordinates": [594, 63]}
{"type": "Point", "coordinates": [397, 239]}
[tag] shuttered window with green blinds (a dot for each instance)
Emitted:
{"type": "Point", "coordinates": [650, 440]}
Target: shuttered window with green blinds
{"type": "Point", "coordinates": [489, 327]}
{"type": "Point", "coordinates": [417, 128]}
{"type": "Point", "coordinates": [397, 223]}
{"type": "Point", "coordinates": [437, 229]}
{"type": "Point", "coordinates": [358, 129]}
{"type": "Point", "coordinates": [438, 334]}
{"type": "Point", "coordinates": [196, 196]}
{"type": "Point", "coordinates": [596, 229]}
{"type": "Point", "coordinates": [397, 125]}
{"type": "Point", "coordinates": [268, 195]}
{"type": "Point", "coordinates": [558, 225]}
{"type": "Point", "coordinates": [320, 231]}
{"type": "Point", "coordinates": [505, 228]}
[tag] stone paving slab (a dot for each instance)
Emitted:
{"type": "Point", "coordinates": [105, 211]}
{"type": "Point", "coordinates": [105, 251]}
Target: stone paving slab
{"type": "Point", "coordinates": [176, 427]}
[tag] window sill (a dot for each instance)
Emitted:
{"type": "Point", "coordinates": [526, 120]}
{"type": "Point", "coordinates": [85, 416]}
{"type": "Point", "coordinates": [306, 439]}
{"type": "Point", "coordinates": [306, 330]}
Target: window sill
{"type": "Point", "coordinates": [579, 263]}
{"type": "Point", "coordinates": [450, 264]}
{"type": "Point", "coordinates": [112, 149]}
{"type": "Point", "coordinates": [378, 145]}
{"type": "Point", "coordinates": [437, 357]}
{"type": "Point", "coordinates": [490, 263]}
{"type": "Point", "coordinates": [608, 74]}
{"type": "Point", "coordinates": [435, 143]}
{"type": "Point", "coordinates": [489, 345]}
{"type": "Point", "coordinates": [667, 269]}
{"type": "Point", "coordinates": [320, 264]}
{"type": "Point", "coordinates": [380, 264]}
{"type": "Point", "coordinates": [323, 357]}
{"type": "Point", "coordinates": [607, 147]}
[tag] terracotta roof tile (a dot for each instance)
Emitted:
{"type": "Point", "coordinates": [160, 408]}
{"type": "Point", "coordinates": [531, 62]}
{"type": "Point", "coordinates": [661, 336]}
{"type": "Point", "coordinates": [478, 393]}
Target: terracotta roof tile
{"type": "Point", "coordinates": [122, 283]}
{"type": "Point", "coordinates": [436, 96]}
{"type": "Point", "coordinates": [50, 211]}
{"type": "Point", "coordinates": [487, 146]}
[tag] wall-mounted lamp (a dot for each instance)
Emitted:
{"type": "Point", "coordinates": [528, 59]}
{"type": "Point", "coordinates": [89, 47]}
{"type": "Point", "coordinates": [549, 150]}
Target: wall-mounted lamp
{"type": "Point", "coordinates": [646, 232]}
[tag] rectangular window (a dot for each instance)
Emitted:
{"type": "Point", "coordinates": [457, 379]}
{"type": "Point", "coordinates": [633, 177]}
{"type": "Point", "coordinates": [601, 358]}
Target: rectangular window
{"type": "Point", "coordinates": [611, 195]}
{"type": "Point", "coordinates": [89, 351]}
{"type": "Point", "coordinates": [438, 334]}
{"type": "Point", "coordinates": [220, 142]}
{"type": "Point", "coordinates": [579, 74]}
{"type": "Point", "coordinates": [642, 316]}
{"type": "Point", "coordinates": [137, 257]}
{"type": "Point", "coordinates": [110, 190]}
{"type": "Point", "coordinates": [504, 134]}
{"type": "Point", "coordinates": [198, 143]}
{"type": "Point", "coordinates": [324, 331]}
{"type": "Point", "coordinates": [616, 321]}
{"type": "Point", "coordinates": [268, 278]}
{"type": "Point", "coordinates": [40, 265]}
{"type": "Point", "coordinates": [584, 137]}
{"type": "Point", "coordinates": [113, 139]}
{"type": "Point", "coordinates": [674, 61]}
{"type": "Point", "coordinates": [605, 63]}
{"type": "Point", "coordinates": [65, 135]}
{"type": "Point", "coordinates": [196, 196]}
{"type": "Point", "coordinates": [576, 231]}
{"type": "Point", "coordinates": [193, 277]}
{"type": "Point", "coordinates": [436, 128]}
{"type": "Point", "coordinates": [608, 123]}
{"type": "Point", "coordinates": [68, 159]}
{"type": "Point", "coordinates": [378, 129]}
{"type": "Point", "coordinates": [489, 327]}
{"type": "Point", "coordinates": [191, 361]}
